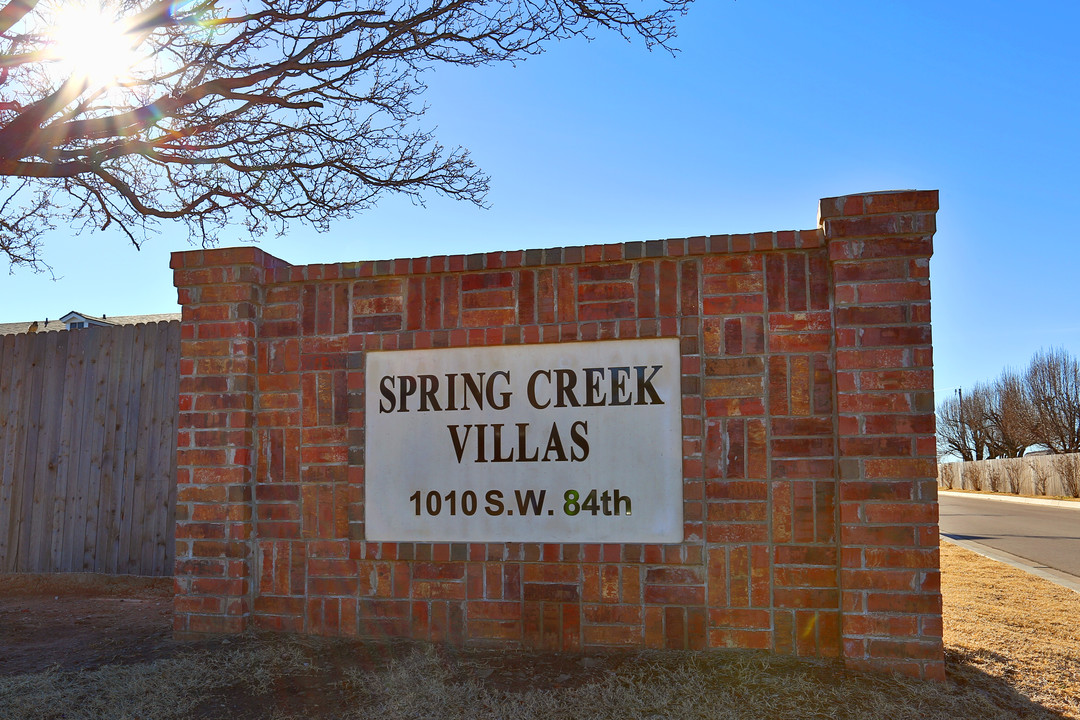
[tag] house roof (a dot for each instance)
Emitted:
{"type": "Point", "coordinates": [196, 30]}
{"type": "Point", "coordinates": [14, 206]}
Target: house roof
{"type": "Point", "coordinates": [50, 325]}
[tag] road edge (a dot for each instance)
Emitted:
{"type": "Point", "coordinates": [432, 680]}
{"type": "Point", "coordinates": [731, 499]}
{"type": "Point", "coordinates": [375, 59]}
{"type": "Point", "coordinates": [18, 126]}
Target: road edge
{"type": "Point", "coordinates": [1010, 498]}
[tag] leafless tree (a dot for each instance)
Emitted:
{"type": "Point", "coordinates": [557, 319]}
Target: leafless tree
{"type": "Point", "coordinates": [1068, 470]}
{"type": "Point", "coordinates": [947, 475]}
{"type": "Point", "coordinates": [991, 420]}
{"type": "Point", "coordinates": [1013, 471]}
{"type": "Point", "coordinates": [254, 112]}
{"type": "Point", "coordinates": [973, 476]}
{"type": "Point", "coordinates": [1053, 381]}
{"type": "Point", "coordinates": [1040, 476]}
{"type": "Point", "coordinates": [1010, 416]}
{"type": "Point", "coordinates": [995, 476]}
{"type": "Point", "coordinates": [951, 433]}
{"type": "Point", "coordinates": [954, 434]}
{"type": "Point", "coordinates": [964, 424]}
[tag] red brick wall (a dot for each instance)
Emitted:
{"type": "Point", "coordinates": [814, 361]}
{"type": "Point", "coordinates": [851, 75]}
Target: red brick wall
{"type": "Point", "coordinates": [809, 498]}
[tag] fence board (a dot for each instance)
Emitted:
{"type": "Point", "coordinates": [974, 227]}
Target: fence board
{"type": "Point", "coordinates": [98, 405]}
{"type": "Point", "coordinates": [45, 458]}
{"type": "Point", "coordinates": [127, 442]}
{"type": "Point", "coordinates": [134, 503]}
{"type": "Point", "coordinates": [1039, 475]}
{"type": "Point", "coordinates": [109, 528]}
{"type": "Point", "coordinates": [83, 431]}
{"type": "Point", "coordinates": [165, 537]}
{"type": "Point", "coordinates": [72, 375]}
{"type": "Point", "coordinates": [9, 350]}
{"type": "Point", "coordinates": [25, 503]}
{"type": "Point", "coordinates": [155, 492]}
{"type": "Point", "coordinates": [88, 449]}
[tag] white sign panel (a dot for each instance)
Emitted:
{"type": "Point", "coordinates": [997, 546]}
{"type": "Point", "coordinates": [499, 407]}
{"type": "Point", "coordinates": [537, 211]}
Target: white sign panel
{"type": "Point", "coordinates": [568, 442]}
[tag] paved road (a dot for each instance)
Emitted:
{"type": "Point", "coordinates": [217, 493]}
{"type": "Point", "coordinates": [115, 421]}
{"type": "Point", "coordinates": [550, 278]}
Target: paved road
{"type": "Point", "coordinates": [1046, 536]}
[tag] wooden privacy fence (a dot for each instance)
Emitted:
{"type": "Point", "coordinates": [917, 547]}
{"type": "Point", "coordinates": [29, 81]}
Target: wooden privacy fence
{"type": "Point", "coordinates": [1050, 475]}
{"type": "Point", "coordinates": [88, 423]}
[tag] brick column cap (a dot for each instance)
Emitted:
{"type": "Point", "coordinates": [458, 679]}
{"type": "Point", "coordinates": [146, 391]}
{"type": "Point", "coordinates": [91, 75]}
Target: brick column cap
{"type": "Point", "coordinates": [878, 203]}
{"type": "Point", "coordinates": [214, 257]}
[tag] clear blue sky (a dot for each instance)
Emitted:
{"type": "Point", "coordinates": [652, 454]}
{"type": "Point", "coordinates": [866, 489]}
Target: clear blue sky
{"type": "Point", "coordinates": [768, 107]}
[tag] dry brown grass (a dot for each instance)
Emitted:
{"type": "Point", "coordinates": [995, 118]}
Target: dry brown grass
{"type": "Point", "coordinates": [1014, 626]}
{"type": "Point", "coordinates": [1013, 495]}
{"type": "Point", "coordinates": [294, 679]}
{"type": "Point", "coordinates": [1008, 635]}
{"type": "Point", "coordinates": [77, 584]}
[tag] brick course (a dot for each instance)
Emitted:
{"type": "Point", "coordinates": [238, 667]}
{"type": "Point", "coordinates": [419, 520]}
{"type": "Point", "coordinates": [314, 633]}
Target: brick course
{"type": "Point", "coordinates": [809, 499]}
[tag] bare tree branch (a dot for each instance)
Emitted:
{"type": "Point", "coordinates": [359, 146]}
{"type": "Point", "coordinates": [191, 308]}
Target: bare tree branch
{"type": "Point", "coordinates": [258, 112]}
{"type": "Point", "coordinates": [1053, 380]}
{"type": "Point", "coordinates": [1040, 407]}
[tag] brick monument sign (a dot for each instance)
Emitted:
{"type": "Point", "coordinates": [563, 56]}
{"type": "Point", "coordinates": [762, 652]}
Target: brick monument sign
{"type": "Point", "coordinates": [722, 441]}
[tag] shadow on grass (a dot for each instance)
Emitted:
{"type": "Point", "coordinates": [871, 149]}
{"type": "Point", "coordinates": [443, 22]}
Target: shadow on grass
{"type": "Point", "coordinates": [964, 670]}
{"type": "Point", "coordinates": [287, 678]}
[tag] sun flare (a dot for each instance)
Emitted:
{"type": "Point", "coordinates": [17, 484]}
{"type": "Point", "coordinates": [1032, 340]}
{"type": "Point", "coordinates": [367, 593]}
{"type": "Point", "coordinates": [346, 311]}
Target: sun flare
{"type": "Point", "coordinates": [91, 45]}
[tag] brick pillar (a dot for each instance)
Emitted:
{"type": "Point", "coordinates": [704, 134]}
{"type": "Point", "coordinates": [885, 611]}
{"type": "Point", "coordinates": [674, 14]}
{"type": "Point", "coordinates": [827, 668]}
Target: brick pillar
{"type": "Point", "coordinates": [879, 248]}
{"type": "Point", "coordinates": [220, 291]}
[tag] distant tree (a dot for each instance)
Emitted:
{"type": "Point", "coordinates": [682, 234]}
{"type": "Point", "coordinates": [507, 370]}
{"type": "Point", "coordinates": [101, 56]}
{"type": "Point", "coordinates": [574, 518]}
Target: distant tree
{"type": "Point", "coordinates": [1010, 417]}
{"type": "Point", "coordinates": [954, 436]}
{"type": "Point", "coordinates": [214, 112]}
{"type": "Point", "coordinates": [964, 424]}
{"type": "Point", "coordinates": [1039, 407]}
{"type": "Point", "coordinates": [1053, 381]}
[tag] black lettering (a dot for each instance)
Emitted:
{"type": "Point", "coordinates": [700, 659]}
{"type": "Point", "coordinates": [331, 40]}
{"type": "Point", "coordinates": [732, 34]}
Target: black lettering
{"type": "Point", "coordinates": [523, 431]}
{"type": "Point", "coordinates": [494, 502]}
{"type": "Point", "coordinates": [471, 387]}
{"type": "Point", "coordinates": [459, 443]}
{"type": "Point", "coordinates": [406, 387]}
{"type": "Point", "coordinates": [451, 391]}
{"type": "Point", "coordinates": [429, 385]}
{"type": "Point", "coordinates": [555, 444]}
{"type": "Point", "coordinates": [497, 450]}
{"type": "Point", "coordinates": [529, 500]}
{"type": "Point", "coordinates": [605, 500]}
{"type": "Point", "coordinates": [386, 387]}
{"type": "Point", "coordinates": [491, 391]}
{"type": "Point", "coordinates": [644, 386]}
{"type": "Point", "coordinates": [434, 503]}
{"type": "Point", "coordinates": [577, 434]}
{"type": "Point", "coordinates": [468, 502]}
{"type": "Point", "coordinates": [532, 389]}
{"type": "Point", "coordinates": [593, 396]}
{"type": "Point", "coordinates": [565, 380]}
{"type": "Point", "coordinates": [619, 499]}
{"type": "Point", "coordinates": [618, 386]}
{"type": "Point", "coordinates": [481, 455]}
{"type": "Point", "coordinates": [590, 504]}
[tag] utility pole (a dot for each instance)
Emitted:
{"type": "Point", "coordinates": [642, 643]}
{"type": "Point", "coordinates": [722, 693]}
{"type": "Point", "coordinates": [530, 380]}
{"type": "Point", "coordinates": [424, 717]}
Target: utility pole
{"type": "Point", "coordinates": [963, 426]}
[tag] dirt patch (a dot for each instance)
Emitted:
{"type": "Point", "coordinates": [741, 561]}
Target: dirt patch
{"type": "Point", "coordinates": [82, 621]}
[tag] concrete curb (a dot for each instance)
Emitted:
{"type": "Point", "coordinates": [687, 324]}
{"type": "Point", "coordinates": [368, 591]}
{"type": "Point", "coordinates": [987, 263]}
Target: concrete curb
{"type": "Point", "coordinates": [1075, 505]}
{"type": "Point", "coordinates": [1057, 577]}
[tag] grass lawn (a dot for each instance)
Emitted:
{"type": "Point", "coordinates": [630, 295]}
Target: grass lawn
{"type": "Point", "coordinates": [1013, 651]}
